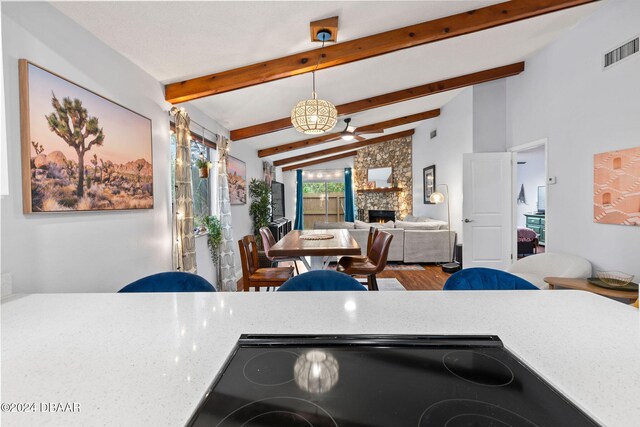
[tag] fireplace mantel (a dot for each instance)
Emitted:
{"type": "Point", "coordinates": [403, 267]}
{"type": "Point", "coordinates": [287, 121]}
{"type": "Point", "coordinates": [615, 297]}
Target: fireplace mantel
{"type": "Point", "coordinates": [379, 190]}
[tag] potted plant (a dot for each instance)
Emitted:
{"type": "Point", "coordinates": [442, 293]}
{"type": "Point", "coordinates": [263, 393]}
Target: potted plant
{"type": "Point", "coordinates": [260, 211]}
{"type": "Point", "coordinates": [203, 165]}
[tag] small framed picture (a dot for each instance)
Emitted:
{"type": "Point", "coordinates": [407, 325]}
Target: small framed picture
{"type": "Point", "coordinates": [429, 180]}
{"type": "Point", "coordinates": [237, 175]}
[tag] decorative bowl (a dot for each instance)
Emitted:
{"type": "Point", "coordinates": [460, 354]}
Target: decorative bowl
{"type": "Point", "coordinates": [614, 278]}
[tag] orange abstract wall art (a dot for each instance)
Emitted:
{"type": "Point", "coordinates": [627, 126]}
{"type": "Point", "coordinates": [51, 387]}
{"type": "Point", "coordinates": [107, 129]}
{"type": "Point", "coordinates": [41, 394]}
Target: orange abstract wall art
{"type": "Point", "coordinates": [616, 187]}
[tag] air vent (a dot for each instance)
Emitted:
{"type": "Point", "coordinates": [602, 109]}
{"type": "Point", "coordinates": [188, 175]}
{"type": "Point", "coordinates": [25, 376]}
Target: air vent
{"type": "Point", "coordinates": [434, 133]}
{"type": "Point", "coordinates": [622, 52]}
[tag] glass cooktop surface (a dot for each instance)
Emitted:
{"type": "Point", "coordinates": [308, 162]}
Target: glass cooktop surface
{"type": "Point", "coordinates": [451, 381]}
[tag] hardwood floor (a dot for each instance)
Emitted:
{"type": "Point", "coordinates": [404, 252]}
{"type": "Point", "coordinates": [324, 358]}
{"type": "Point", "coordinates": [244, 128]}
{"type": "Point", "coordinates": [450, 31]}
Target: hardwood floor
{"type": "Point", "coordinates": [431, 278]}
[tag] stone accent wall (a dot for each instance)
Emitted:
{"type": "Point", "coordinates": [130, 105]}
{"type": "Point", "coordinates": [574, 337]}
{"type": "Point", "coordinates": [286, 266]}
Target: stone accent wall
{"type": "Point", "coordinates": [396, 153]}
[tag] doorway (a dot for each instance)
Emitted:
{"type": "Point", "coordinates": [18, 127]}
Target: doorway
{"type": "Point", "coordinates": [323, 197]}
{"type": "Point", "coordinates": [530, 235]}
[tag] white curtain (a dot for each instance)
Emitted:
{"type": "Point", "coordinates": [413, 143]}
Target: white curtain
{"type": "Point", "coordinates": [227, 267]}
{"type": "Point", "coordinates": [184, 239]}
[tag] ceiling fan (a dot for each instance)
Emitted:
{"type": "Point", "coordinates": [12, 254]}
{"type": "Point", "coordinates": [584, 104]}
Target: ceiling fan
{"type": "Point", "coordinates": [350, 133]}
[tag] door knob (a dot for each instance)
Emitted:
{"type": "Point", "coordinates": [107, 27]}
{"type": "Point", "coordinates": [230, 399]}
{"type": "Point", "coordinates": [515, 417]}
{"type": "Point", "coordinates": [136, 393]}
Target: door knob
{"type": "Point", "coordinates": [468, 220]}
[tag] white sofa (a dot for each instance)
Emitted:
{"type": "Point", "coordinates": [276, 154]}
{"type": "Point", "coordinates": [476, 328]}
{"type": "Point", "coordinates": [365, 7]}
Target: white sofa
{"type": "Point", "coordinates": [535, 268]}
{"type": "Point", "coordinates": [412, 240]}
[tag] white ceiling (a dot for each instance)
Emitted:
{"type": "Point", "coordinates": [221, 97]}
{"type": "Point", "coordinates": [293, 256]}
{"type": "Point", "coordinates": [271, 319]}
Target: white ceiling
{"type": "Point", "coordinates": [176, 40]}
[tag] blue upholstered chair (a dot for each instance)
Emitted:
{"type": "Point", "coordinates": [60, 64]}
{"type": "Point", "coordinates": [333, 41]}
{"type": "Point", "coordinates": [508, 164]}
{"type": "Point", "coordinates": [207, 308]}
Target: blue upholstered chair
{"type": "Point", "coordinates": [322, 280]}
{"type": "Point", "coordinates": [171, 281]}
{"type": "Point", "coordinates": [483, 279]}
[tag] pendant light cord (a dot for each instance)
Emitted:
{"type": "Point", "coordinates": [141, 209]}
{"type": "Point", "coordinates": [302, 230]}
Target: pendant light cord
{"type": "Point", "coordinates": [313, 73]}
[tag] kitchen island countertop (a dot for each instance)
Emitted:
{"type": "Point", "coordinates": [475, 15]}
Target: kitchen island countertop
{"type": "Point", "coordinates": [147, 359]}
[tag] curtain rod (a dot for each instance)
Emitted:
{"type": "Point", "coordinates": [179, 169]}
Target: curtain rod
{"type": "Point", "coordinates": [171, 113]}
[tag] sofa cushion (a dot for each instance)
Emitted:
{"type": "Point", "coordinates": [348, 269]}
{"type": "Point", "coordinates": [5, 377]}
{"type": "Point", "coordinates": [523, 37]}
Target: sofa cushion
{"type": "Point", "coordinates": [410, 218]}
{"type": "Point", "coordinates": [333, 225]}
{"type": "Point", "coordinates": [433, 225]}
{"type": "Point", "coordinates": [396, 250]}
{"type": "Point", "coordinates": [361, 225]}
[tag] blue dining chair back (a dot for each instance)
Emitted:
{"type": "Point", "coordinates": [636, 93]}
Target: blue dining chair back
{"type": "Point", "coordinates": [322, 280]}
{"type": "Point", "coordinates": [171, 281]}
{"type": "Point", "coordinates": [486, 279]}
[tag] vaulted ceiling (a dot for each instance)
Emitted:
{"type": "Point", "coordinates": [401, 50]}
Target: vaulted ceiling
{"type": "Point", "coordinates": [175, 41]}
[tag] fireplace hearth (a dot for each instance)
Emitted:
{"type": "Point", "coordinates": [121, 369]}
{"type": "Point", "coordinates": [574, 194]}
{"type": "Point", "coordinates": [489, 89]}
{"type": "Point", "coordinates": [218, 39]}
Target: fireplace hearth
{"type": "Point", "coordinates": [381, 216]}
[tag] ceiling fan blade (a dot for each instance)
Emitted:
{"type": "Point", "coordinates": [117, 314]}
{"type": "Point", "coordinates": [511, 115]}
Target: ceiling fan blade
{"type": "Point", "coordinates": [335, 138]}
{"type": "Point", "coordinates": [365, 132]}
{"type": "Point", "coordinates": [359, 138]}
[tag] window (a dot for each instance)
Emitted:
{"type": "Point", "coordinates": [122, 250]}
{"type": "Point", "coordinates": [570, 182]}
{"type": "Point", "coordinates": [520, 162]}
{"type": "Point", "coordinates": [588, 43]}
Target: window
{"type": "Point", "coordinates": [200, 187]}
{"type": "Point", "coordinates": [323, 197]}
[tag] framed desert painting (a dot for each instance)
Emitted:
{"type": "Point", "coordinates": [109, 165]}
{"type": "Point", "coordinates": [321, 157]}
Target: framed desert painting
{"type": "Point", "coordinates": [80, 151]}
{"type": "Point", "coordinates": [237, 177]}
{"type": "Point", "coordinates": [429, 182]}
{"type": "Point", "coordinates": [616, 187]}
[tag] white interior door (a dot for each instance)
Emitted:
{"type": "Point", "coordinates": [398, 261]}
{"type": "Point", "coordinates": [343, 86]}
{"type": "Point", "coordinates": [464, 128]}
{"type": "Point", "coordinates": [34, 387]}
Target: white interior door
{"type": "Point", "coordinates": [486, 210]}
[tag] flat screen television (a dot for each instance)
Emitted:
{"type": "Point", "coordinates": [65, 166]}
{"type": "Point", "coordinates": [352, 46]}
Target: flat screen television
{"type": "Point", "coordinates": [277, 200]}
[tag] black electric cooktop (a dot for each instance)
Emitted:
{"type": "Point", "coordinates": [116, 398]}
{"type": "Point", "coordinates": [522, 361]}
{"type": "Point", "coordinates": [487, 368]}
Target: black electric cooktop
{"type": "Point", "coordinates": [363, 380]}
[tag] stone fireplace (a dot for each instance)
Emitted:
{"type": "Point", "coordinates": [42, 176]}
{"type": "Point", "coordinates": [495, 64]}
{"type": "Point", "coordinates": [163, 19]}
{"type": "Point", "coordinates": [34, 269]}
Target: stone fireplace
{"type": "Point", "coordinates": [397, 154]}
{"type": "Point", "coordinates": [381, 216]}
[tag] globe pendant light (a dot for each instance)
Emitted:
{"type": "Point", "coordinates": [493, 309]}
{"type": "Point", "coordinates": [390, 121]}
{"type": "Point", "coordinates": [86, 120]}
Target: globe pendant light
{"type": "Point", "coordinates": [315, 116]}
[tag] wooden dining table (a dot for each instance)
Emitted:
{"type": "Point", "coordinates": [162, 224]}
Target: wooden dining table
{"type": "Point", "coordinates": [319, 251]}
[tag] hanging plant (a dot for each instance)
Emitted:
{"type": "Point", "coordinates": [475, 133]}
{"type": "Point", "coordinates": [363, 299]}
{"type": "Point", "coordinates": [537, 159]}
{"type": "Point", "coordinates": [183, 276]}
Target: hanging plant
{"type": "Point", "coordinates": [203, 165]}
{"type": "Point", "coordinates": [214, 229]}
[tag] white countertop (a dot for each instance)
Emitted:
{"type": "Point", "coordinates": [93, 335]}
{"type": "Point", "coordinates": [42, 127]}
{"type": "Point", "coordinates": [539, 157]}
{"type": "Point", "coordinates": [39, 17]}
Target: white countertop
{"type": "Point", "coordinates": [147, 359]}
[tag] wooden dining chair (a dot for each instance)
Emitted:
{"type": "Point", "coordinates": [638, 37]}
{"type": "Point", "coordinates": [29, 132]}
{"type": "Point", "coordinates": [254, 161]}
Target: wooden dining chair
{"type": "Point", "coordinates": [252, 275]}
{"type": "Point", "coordinates": [267, 242]}
{"type": "Point", "coordinates": [372, 264]}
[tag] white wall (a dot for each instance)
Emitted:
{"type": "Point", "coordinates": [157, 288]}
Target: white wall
{"type": "Point", "coordinates": [85, 252]}
{"type": "Point", "coordinates": [455, 137]}
{"type": "Point", "coordinates": [565, 96]}
{"type": "Point", "coordinates": [531, 175]}
{"type": "Point", "coordinates": [289, 180]}
{"type": "Point", "coordinates": [490, 117]}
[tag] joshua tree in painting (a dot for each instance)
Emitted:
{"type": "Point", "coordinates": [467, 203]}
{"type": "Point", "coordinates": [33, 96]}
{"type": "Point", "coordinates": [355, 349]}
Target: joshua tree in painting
{"type": "Point", "coordinates": [37, 147]}
{"type": "Point", "coordinates": [107, 168]}
{"type": "Point", "coordinates": [139, 167]}
{"type": "Point", "coordinates": [71, 122]}
{"type": "Point", "coordinates": [70, 168]}
{"type": "Point", "coordinates": [94, 162]}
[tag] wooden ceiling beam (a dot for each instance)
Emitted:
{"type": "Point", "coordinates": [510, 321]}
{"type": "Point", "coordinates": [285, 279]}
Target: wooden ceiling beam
{"type": "Point", "coordinates": [326, 138]}
{"type": "Point", "coordinates": [318, 161]}
{"type": "Point", "coordinates": [342, 148]}
{"type": "Point", "coordinates": [365, 47]}
{"type": "Point", "coordinates": [390, 98]}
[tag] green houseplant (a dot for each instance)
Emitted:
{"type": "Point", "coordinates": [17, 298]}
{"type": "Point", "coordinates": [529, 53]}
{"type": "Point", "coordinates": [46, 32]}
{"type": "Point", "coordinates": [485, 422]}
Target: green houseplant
{"type": "Point", "coordinates": [214, 229]}
{"type": "Point", "coordinates": [260, 208]}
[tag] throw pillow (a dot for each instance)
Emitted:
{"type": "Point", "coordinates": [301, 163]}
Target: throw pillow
{"type": "Point", "coordinates": [361, 225]}
{"type": "Point", "coordinates": [333, 225]}
{"type": "Point", "coordinates": [417, 225]}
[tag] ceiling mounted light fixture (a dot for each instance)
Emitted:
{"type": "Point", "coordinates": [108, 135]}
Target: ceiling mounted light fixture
{"type": "Point", "coordinates": [315, 116]}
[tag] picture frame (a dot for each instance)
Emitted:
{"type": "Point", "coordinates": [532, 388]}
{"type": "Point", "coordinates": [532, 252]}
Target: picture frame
{"type": "Point", "coordinates": [429, 182]}
{"type": "Point", "coordinates": [616, 179]}
{"type": "Point", "coordinates": [81, 152]}
{"type": "Point", "coordinates": [237, 178]}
